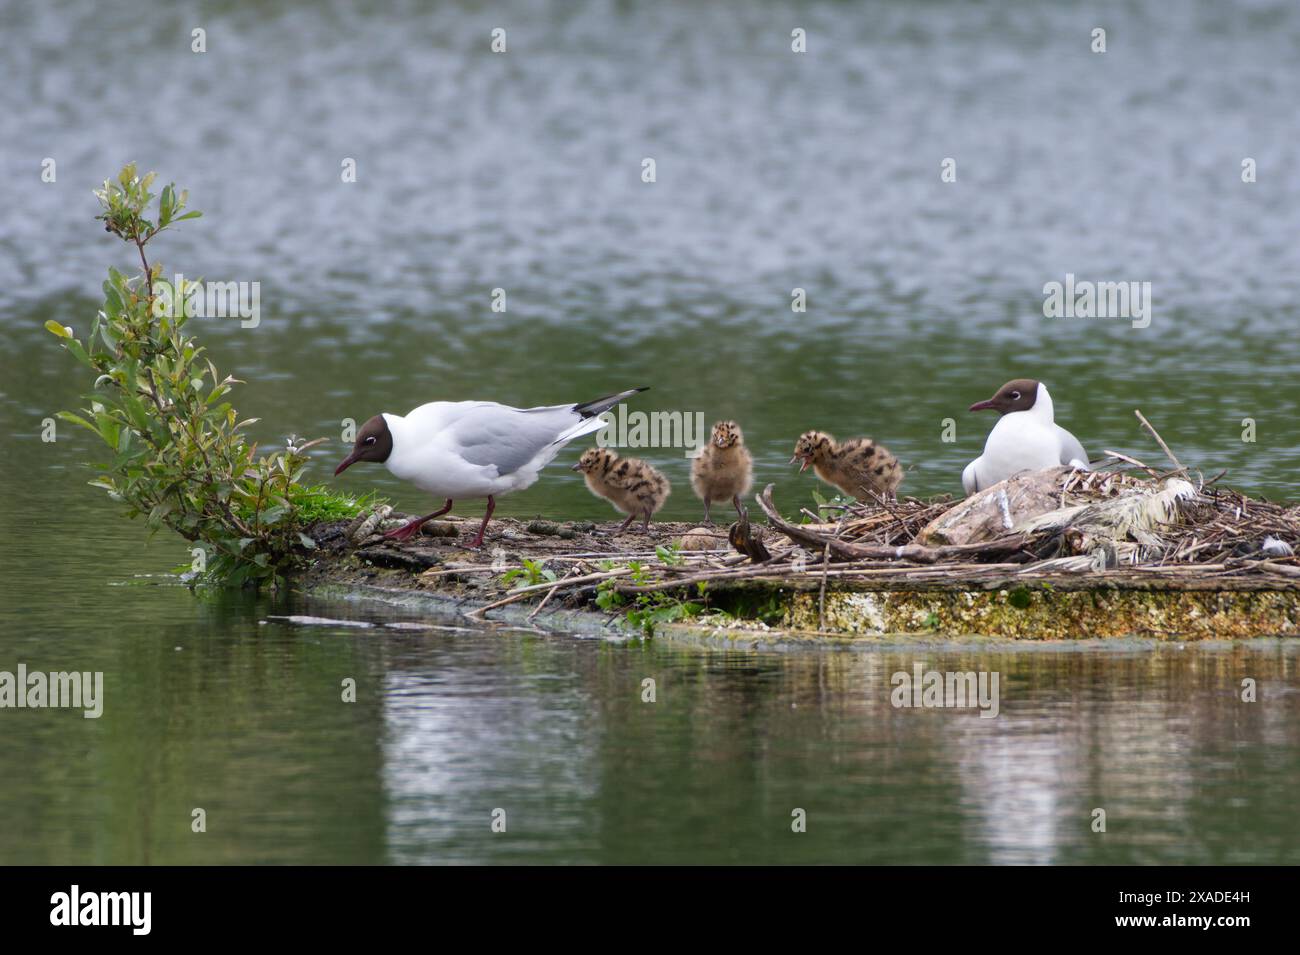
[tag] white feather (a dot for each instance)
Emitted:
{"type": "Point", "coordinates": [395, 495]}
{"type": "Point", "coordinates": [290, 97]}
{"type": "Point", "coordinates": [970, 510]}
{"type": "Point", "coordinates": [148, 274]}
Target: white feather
{"type": "Point", "coordinates": [473, 449]}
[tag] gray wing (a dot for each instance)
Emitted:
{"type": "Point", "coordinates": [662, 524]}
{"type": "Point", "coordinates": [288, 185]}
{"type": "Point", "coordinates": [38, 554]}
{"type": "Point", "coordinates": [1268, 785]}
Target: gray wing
{"type": "Point", "coordinates": [493, 434]}
{"type": "Point", "coordinates": [1071, 449]}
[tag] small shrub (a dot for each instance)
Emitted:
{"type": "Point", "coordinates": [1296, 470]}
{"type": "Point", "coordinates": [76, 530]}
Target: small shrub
{"type": "Point", "coordinates": [179, 457]}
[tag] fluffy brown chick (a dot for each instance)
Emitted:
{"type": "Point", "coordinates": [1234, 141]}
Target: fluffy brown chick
{"type": "Point", "coordinates": [859, 467]}
{"type": "Point", "coordinates": [632, 486]}
{"type": "Point", "coordinates": [724, 470]}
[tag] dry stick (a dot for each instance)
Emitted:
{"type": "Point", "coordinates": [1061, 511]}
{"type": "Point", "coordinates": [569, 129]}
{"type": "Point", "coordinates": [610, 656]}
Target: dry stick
{"type": "Point", "coordinates": [758, 570]}
{"type": "Point", "coordinates": [458, 570]}
{"type": "Point", "coordinates": [610, 555]}
{"type": "Point", "coordinates": [1159, 440]}
{"type": "Point", "coordinates": [1124, 457]}
{"type": "Point", "coordinates": [883, 502]}
{"type": "Point", "coordinates": [1285, 569]}
{"type": "Point", "coordinates": [916, 553]}
{"type": "Point", "coordinates": [1214, 480]}
{"type": "Point", "coordinates": [523, 592]}
{"type": "Point", "coordinates": [549, 594]}
{"type": "Point", "coordinates": [821, 599]}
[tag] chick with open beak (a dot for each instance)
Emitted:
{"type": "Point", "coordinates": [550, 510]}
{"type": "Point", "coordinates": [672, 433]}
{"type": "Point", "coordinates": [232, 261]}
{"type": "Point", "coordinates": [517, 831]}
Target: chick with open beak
{"type": "Point", "coordinates": [859, 467]}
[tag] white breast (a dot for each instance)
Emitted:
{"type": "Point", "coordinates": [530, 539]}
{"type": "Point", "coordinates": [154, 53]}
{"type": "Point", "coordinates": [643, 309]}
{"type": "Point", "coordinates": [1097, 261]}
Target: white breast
{"type": "Point", "coordinates": [1018, 442]}
{"type": "Point", "coordinates": [1024, 441]}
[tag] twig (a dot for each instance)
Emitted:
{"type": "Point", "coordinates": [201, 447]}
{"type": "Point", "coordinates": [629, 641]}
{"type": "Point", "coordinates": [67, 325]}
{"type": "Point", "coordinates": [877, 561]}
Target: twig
{"type": "Point", "coordinates": [549, 594]}
{"type": "Point", "coordinates": [523, 592]}
{"type": "Point", "coordinates": [1124, 457]}
{"type": "Point", "coordinates": [821, 598]}
{"type": "Point", "coordinates": [917, 553]}
{"type": "Point", "coordinates": [1159, 440]}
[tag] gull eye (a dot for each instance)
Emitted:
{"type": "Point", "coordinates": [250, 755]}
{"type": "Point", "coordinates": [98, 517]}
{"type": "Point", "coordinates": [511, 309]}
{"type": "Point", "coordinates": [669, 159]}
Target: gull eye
{"type": "Point", "coordinates": [370, 440]}
{"type": "Point", "coordinates": [1015, 396]}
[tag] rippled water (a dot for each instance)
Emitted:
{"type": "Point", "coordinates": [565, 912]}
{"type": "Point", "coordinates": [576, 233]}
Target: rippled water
{"type": "Point", "coordinates": [235, 711]}
{"type": "Point", "coordinates": [522, 172]}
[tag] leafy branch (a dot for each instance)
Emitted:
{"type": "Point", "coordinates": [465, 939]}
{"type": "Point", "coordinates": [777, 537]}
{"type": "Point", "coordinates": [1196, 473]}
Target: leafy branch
{"type": "Point", "coordinates": [158, 403]}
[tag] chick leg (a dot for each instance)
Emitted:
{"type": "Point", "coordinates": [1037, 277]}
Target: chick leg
{"type": "Point", "coordinates": [740, 510]}
{"type": "Point", "coordinates": [411, 528]}
{"type": "Point", "coordinates": [645, 524]}
{"type": "Point", "coordinates": [622, 527]}
{"type": "Point", "coordinates": [706, 512]}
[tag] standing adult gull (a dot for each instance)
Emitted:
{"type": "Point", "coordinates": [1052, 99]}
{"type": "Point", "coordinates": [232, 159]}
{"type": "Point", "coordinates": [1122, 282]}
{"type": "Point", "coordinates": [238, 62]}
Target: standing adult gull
{"type": "Point", "coordinates": [474, 449]}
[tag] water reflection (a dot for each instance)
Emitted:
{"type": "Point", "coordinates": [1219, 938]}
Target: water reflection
{"type": "Point", "coordinates": [711, 772]}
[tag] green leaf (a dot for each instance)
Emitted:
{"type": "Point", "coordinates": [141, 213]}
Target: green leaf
{"type": "Point", "coordinates": [165, 204]}
{"type": "Point", "coordinates": [74, 346]}
{"type": "Point", "coordinates": [273, 514]}
{"type": "Point", "coordinates": [158, 512]}
{"type": "Point", "coordinates": [54, 328]}
{"type": "Point", "coordinates": [77, 419]}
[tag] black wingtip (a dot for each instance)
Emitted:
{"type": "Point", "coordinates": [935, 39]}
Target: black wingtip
{"type": "Point", "coordinates": [590, 409]}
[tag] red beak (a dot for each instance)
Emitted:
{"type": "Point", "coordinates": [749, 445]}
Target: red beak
{"type": "Point", "coordinates": [803, 463]}
{"type": "Point", "coordinates": [982, 405]}
{"type": "Point", "coordinates": [350, 460]}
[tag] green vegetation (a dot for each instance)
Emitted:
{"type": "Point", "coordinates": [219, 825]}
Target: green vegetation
{"type": "Point", "coordinates": [829, 508]}
{"type": "Point", "coordinates": [179, 456]}
{"type": "Point", "coordinates": [530, 574]}
{"type": "Point", "coordinates": [670, 555]}
{"type": "Point", "coordinates": [644, 612]}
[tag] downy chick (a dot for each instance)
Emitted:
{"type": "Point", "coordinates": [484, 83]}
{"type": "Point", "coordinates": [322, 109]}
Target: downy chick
{"type": "Point", "coordinates": [632, 486]}
{"type": "Point", "coordinates": [724, 470]}
{"type": "Point", "coordinates": [859, 467]}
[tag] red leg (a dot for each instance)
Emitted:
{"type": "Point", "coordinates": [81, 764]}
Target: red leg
{"type": "Point", "coordinates": [477, 542]}
{"type": "Point", "coordinates": [622, 527]}
{"type": "Point", "coordinates": [411, 528]}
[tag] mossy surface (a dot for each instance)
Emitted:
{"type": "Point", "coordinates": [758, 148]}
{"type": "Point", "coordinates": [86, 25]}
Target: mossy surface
{"type": "Point", "coordinates": [1028, 613]}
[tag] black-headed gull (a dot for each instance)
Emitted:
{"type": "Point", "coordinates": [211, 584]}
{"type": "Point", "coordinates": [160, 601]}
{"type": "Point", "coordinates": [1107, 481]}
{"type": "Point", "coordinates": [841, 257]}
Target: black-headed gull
{"type": "Point", "coordinates": [1026, 437]}
{"type": "Point", "coordinates": [455, 449]}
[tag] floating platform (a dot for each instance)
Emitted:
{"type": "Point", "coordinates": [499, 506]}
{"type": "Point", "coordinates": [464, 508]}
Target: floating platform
{"type": "Point", "coordinates": [830, 581]}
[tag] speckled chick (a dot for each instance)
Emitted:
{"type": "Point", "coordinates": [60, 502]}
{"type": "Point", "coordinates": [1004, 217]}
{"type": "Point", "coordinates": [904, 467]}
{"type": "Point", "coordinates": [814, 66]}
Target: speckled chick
{"type": "Point", "coordinates": [724, 470]}
{"type": "Point", "coordinates": [632, 486]}
{"type": "Point", "coordinates": [859, 467]}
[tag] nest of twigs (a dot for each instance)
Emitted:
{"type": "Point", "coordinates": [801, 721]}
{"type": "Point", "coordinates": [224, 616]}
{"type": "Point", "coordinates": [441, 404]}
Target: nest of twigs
{"type": "Point", "coordinates": [1124, 519]}
{"type": "Point", "coordinates": [1124, 525]}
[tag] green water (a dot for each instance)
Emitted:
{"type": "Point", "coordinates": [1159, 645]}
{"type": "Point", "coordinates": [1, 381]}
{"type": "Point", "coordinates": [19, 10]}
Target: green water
{"type": "Point", "coordinates": [522, 172]}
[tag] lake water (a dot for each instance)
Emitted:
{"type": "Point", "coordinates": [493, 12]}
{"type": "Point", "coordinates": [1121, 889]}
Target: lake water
{"type": "Point", "coordinates": [522, 171]}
